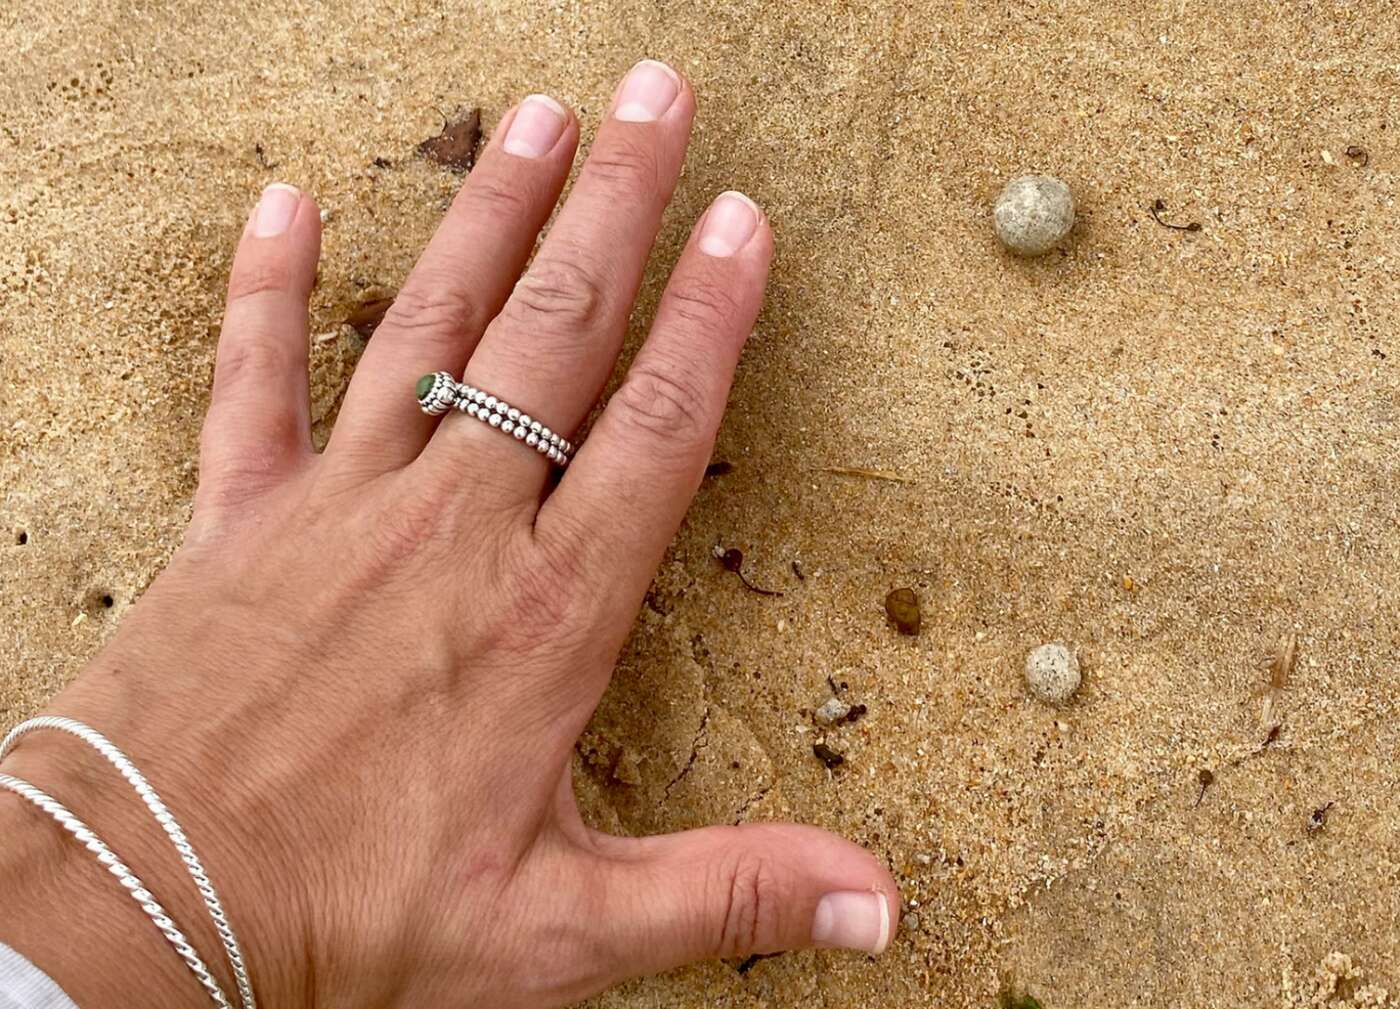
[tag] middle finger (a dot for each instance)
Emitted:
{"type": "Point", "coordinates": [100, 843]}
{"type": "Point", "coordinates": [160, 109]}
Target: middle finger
{"type": "Point", "coordinates": [554, 344]}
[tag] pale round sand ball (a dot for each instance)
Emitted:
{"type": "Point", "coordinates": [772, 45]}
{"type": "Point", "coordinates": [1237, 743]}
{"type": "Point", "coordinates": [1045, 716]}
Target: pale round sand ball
{"type": "Point", "coordinates": [1052, 673]}
{"type": "Point", "coordinates": [1033, 213]}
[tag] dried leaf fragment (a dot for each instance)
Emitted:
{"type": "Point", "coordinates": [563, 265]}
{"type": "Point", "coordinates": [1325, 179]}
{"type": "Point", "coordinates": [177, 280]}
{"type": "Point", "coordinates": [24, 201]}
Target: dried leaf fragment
{"type": "Point", "coordinates": [455, 147]}
{"type": "Point", "coordinates": [365, 317]}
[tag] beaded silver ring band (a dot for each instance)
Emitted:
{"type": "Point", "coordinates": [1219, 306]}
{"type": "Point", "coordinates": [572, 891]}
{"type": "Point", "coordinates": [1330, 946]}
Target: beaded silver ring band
{"type": "Point", "coordinates": [439, 392]}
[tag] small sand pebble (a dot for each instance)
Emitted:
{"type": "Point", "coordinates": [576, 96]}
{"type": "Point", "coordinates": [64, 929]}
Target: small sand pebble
{"type": "Point", "coordinates": [833, 711]}
{"type": "Point", "coordinates": [1052, 673]}
{"type": "Point", "coordinates": [902, 607]}
{"type": "Point", "coordinates": [910, 922]}
{"type": "Point", "coordinates": [1033, 213]}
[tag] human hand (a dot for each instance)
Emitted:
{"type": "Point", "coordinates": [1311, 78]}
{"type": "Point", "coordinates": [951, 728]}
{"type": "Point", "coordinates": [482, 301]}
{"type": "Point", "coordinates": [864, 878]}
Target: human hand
{"type": "Point", "coordinates": [360, 681]}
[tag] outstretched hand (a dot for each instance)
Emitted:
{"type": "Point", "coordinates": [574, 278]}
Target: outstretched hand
{"type": "Point", "coordinates": [360, 681]}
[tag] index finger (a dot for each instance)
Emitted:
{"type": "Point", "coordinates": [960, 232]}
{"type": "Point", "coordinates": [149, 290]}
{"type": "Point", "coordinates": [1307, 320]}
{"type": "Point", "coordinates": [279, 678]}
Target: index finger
{"type": "Point", "coordinates": [624, 495]}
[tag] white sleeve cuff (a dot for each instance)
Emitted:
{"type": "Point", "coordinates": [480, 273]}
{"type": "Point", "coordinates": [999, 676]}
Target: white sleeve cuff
{"type": "Point", "coordinates": [24, 986]}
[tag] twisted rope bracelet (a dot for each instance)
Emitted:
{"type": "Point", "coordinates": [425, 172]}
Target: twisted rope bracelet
{"type": "Point", "coordinates": [128, 879]}
{"type": "Point", "coordinates": [125, 876]}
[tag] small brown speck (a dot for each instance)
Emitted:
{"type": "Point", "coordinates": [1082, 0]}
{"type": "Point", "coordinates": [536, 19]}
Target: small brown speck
{"type": "Point", "coordinates": [1359, 155]}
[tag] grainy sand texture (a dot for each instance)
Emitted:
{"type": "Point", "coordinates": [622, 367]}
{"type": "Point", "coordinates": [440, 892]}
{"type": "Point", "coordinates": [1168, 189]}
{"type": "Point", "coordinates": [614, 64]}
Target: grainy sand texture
{"type": "Point", "coordinates": [1171, 450]}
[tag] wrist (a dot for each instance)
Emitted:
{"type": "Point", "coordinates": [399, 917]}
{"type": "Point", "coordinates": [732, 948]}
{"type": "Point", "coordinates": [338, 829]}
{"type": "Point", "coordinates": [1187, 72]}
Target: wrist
{"type": "Point", "coordinates": [72, 918]}
{"type": "Point", "coordinates": [77, 922]}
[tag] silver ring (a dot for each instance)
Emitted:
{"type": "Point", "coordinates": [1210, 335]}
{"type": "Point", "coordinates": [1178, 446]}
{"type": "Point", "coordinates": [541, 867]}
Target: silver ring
{"type": "Point", "coordinates": [439, 392]}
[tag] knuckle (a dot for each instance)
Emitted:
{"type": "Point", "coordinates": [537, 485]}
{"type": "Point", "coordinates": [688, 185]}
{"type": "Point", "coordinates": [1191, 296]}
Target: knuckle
{"type": "Point", "coordinates": [252, 360]}
{"type": "Point", "coordinates": [493, 197]}
{"type": "Point", "coordinates": [415, 525]}
{"type": "Point", "coordinates": [663, 400]}
{"type": "Point", "coordinates": [434, 310]}
{"type": "Point", "coordinates": [559, 293]}
{"type": "Point", "coordinates": [259, 275]}
{"type": "Point", "coordinates": [228, 481]}
{"type": "Point", "coordinates": [702, 303]}
{"type": "Point", "coordinates": [626, 168]}
{"type": "Point", "coordinates": [749, 889]}
{"type": "Point", "coordinates": [545, 592]}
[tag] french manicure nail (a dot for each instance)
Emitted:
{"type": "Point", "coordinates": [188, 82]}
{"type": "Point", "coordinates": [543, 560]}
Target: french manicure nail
{"type": "Point", "coordinates": [729, 224]}
{"type": "Point", "coordinates": [276, 209]}
{"type": "Point", "coordinates": [852, 919]}
{"type": "Point", "coordinates": [646, 93]}
{"type": "Point", "coordinates": [539, 122]}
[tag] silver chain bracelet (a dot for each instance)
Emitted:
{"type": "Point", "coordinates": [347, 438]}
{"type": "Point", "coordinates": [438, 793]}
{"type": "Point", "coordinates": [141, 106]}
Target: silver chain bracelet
{"type": "Point", "coordinates": [114, 865]}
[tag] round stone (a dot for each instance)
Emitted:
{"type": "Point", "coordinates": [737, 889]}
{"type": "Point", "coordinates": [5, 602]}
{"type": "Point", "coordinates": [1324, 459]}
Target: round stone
{"type": "Point", "coordinates": [1033, 213]}
{"type": "Point", "coordinates": [424, 386]}
{"type": "Point", "coordinates": [1052, 673]}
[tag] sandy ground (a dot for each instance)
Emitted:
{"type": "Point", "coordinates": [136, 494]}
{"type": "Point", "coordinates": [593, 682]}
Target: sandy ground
{"type": "Point", "coordinates": [1169, 449]}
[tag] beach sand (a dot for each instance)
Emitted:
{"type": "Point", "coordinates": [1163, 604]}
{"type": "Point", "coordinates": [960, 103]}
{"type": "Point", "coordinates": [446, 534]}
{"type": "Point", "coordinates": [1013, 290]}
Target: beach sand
{"type": "Point", "coordinates": [1171, 450]}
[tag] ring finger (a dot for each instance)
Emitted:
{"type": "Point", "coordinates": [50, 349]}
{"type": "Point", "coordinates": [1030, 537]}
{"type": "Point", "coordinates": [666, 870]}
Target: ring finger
{"type": "Point", "coordinates": [461, 280]}
{"type": "Point", "coordinates": [554, 344]}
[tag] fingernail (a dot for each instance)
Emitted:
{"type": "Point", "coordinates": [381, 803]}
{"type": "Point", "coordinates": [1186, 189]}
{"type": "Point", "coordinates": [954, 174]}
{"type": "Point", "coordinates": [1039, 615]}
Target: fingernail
{"type": "Point", "coordinates": [276, 208]}
{"type": "Point", "coordinates": [647, 92]}
{"type": "Point", "coordinates": [852, 919]}
{"type": "Point", "coordinates": [729, 224]}
{"type": "Point", "coordinates": [539, 122]}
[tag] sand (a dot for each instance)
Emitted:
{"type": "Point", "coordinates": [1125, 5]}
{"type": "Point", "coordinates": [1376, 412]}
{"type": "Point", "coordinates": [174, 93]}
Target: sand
{"type": "Point", "coordinates": [1169, 449]}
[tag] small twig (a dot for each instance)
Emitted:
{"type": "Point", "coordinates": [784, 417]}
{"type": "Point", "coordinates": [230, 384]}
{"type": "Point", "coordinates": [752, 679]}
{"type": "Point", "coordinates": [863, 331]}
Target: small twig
{"type": "Point", "coordinates": [1158, 206]}
{"type": "Point", "coordinates": [867, 474]}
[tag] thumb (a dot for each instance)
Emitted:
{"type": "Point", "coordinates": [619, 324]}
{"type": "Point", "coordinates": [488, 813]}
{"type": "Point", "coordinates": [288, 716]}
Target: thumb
{"type": "Point", "coordinates": [731, 891]}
